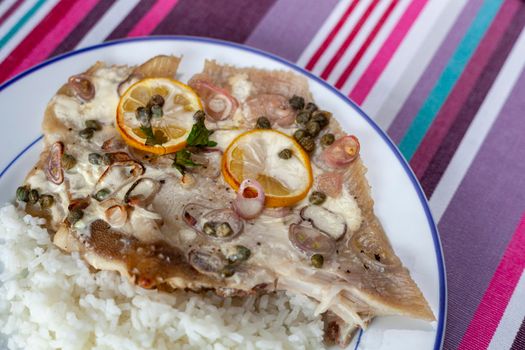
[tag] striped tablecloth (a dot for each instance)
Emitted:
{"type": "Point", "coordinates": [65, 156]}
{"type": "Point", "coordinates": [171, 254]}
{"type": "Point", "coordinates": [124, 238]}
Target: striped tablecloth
{"type": "Point", "coordinates": [445, 78]}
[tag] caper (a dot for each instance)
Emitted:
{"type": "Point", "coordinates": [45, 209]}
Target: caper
{"type": "Point", "coordinates": [199, 116]}
{"type": "Point", "coordinates": [95, 158]}
{"type": "Point", "coordinates": [227, 271]}
{"type": "Point", "coordinates": [285, 153]}
{"type": "Point", "coordinates": [74, 215]}
{"type": "Point", "coordinates": [46, 201]}
{"type": "Point", "coordinates": [311, 107]}
{"type": "Point", "coordinates": [317, 261]}
{"type": "Point", "coordinates": [297, 102]}
{"type": "Point", "coordinates": [313, 128]}
{"type": "Point", "coordinates": [102, 194]}
{"type": "Point", "coordinates": [307, 143]}
{"type": "Point", "coordinates": [263, 123]}
{"type": "Point", "coordinates": [299, 134]}
{"type": "Point", "coordinates": [224, 230]}
{"type": "Point", "coordinates": [22, 193]}
{"type": "Point", "coordinates": [33, 196]}
{"type": "Point", "coordinates": [93, 124]}
{"type": "Point", "coordinates": [156, 100]}
{"type": "Point", "coordinates": [241, 254]}
{"type": "Point", "coordinates": [209, 228]}
{"type": "Point", "coordinates": [321, 117]}
{"type": "Point", "coordinates": [68, 161]}
{"type": "Point", "coordinates": [327, 139]}
{"type": "Point", "coordinates": [143, 115]}
{"type": "Point", "coordinates": [317, 197]}
{"type": "Point", "coordinates": [86, 133]}
{"type": "Point", "coordinates": [303, 117]}
{"type": "Point", "coordinates": [156, 111]}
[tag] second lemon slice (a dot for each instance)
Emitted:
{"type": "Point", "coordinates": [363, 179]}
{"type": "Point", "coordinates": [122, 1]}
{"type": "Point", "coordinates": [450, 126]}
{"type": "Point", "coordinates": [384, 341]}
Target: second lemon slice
{"type": "Point", "coordinates": [255, 155]}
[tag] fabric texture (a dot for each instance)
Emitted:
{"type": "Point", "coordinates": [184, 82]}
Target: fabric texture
{"type": "Point", "coordinates": [444, 78]}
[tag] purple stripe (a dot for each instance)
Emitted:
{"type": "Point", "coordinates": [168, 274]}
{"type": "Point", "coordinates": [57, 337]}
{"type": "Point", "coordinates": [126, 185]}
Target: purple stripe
{"type": "Point", "coordinates": [290, 25]}
{"type": "Point", "coordinates": [122, 30]}
{"type": "Point", "coordinates": [432, 73]}
{"type": "Point", "coordinates": [469, 109]}
{"type": "Point", "coordinates": [232, 20]}
{"type": "Point", "coordinates": [10, 11]}
{"type": "Point", "coordinates": [83, 27]}
{"type": "Point", "coordinates": [519, 341]}
{"type": "Point", "coordinates": [483, 214]}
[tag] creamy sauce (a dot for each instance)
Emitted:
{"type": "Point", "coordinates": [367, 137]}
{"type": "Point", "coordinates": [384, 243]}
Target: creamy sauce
{"type": "Point", "coordinates": [161, 220]}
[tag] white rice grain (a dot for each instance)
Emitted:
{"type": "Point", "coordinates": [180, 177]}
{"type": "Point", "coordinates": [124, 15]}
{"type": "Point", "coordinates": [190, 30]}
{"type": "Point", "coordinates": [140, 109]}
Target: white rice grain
{"type": "Point", "coordinates": [50, 300]}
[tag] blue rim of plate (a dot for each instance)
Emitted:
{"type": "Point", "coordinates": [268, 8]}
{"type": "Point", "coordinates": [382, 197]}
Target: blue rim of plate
{"type": "Point", "coordinates": [435, 236]}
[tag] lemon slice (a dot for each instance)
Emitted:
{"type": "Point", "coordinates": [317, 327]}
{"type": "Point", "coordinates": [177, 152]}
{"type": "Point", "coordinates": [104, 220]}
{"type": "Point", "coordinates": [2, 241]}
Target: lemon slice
{"type": "Point", "coordinates": [255, 155]}
{"type": "Point", "coordinates": [172, 128]}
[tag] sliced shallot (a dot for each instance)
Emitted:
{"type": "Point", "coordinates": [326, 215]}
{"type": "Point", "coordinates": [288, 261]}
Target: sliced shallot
{"type": "Point", "coordinates": [342, 152]}
{"type": "Point", "coordinates": [330, 183]}
{"type": "Point", "coordinates": [274, 107]}
{"type": "Point", "coordinates": [325, 220]}
{"type": "Point", "coordinates": [219, 104]}
{"type": "Point", "coordinates": [191, 213]}
{"type": "Point", "coordinates": [142, 191]}
{"type": "Point", "coordinates": [310, 240]}
{"type": "Point", "coordinates": [249, 202]}
{"type": "Point", "coordinates": [53, 168]}
{"type": "Point", "coordinates": [206, 261]}
{"type": "Point", "coordinates": [116, 215]}
{"type": "Point", "coordinates": [82, 86]}
{"type": "Point", "coordinates": [119, 174]}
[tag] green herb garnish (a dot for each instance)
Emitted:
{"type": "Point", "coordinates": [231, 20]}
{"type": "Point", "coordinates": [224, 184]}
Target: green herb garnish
{"type": "Point", "coordinates": [183, 160]}
{"type": "Point", "coordinates": [156, 137]}
{"type": "Point", "coordinates": [200, 136]}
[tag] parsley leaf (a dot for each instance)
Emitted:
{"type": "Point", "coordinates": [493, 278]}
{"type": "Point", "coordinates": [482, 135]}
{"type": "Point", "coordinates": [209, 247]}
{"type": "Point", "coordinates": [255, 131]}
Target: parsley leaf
{"type": "Point", "coordinates": [153, 138]}
{"type": "Point", "coordinates": [183, 160]}
{"type": "Point", "coordinates": [199, 135]}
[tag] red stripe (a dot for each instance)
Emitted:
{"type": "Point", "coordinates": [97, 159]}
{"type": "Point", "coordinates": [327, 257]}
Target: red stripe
{"type": "Point", "coordinates": [330, 67]}
{"type": "Point", "coordinates": [10, 11]}
{"type": "Point", "coordinates": [317, 55]}
{"type": "Point", "coordinates": [467, 84]}
{"type": "Point", "coordinates": [385, 54]}
{"type": "Point", "coordinates": [495, 300]}
{"type": "Point", "coordinates": [154, 16]}
{"type": "Point", "coordinates": [351, 66]}
{"type": "Point", "coordinates": [35, 37]}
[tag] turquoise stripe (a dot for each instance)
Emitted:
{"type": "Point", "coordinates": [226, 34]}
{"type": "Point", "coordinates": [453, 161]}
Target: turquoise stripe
{"type": "Point", "coordinates": [4, 40]}
{"type": "Point", "coordinates": [448, 78]}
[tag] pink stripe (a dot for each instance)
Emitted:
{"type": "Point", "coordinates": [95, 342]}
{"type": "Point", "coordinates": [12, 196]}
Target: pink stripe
{"type": "Point", "coordinates": [328, 40]}
{"type": "Point", "coordinates": [154, 16]}
{"type": "Point", "coordinates": [497, 296]}
{"type": "Point", "coordinates": [53, 38]}
{"type": "Point", "coordinates": [384, 55]}
{"type": "Point", "coordinates": [463, 88]}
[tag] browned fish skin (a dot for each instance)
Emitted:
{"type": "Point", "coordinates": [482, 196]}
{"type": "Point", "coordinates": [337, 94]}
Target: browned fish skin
{"type": "Point", "coordinates": [154, 245]}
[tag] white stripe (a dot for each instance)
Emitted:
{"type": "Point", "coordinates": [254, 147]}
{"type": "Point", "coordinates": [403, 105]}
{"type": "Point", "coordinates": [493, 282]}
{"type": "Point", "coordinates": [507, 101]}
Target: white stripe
{"type": "Point", "coordinates": [479, 129]}
{"type": "Point", "coordinates": [358, 41]}
{"type": "Point", "coordinates": [108, 22]}
{"type": "Point", "coordinates": [322, 33]}
{"type": "Point", "coordinates": [374, 47]}
{"type": "Point", "coordinates": [410, 60]}
{"type": "Point", "coordinates": [512, 318]}
{"type": "Point", "coordinates": [340, 37]}
{"type": "Point", "coordinates": [15, 16]}
{"type": "Point", "coordinates": [5, 5]}
{"type": "Point", "coordinates": [28, 27]}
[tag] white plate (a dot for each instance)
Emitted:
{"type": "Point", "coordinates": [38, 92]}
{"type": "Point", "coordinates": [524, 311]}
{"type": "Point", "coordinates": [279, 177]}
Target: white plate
{"type": "Point", "coordinates": [400, 204]}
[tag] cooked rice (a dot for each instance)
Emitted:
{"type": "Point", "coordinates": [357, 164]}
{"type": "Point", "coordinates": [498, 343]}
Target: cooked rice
{"type": "Point", "coordinates": [50, 300]}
